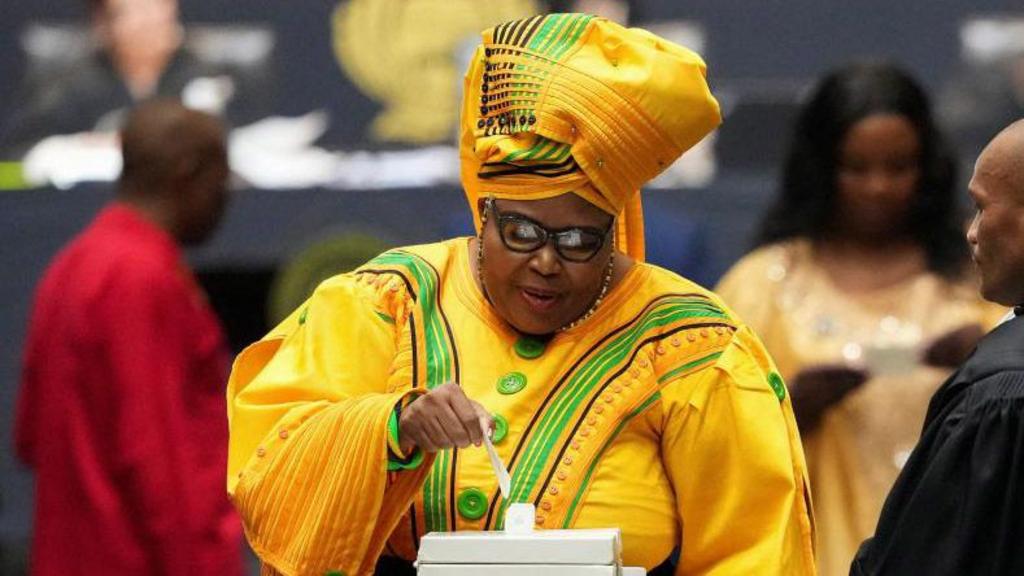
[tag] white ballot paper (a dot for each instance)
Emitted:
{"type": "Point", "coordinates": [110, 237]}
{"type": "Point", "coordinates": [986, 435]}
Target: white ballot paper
{"type": "Point", "coordinates": [504, 480]}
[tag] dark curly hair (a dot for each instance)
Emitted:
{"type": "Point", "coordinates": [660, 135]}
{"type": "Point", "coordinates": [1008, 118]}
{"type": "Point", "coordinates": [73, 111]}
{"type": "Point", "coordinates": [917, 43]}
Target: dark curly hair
{"type": "Point", "coordinates": [804, 205]}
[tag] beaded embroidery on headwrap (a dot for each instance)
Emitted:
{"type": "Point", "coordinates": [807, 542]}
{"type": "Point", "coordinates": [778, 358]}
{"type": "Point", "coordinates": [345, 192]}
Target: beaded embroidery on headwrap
{"type": "Point", "coordinates": [573, 103]}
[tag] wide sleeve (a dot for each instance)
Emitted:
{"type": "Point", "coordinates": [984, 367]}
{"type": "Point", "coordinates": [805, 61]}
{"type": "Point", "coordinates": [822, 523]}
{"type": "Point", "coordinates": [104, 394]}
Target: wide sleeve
{"type": "Point", "coordinates": [734, 458]}
{"type": "Point", "coordinates": [958, 507]}
{"type": "Point", "coordinates": [308, 409]}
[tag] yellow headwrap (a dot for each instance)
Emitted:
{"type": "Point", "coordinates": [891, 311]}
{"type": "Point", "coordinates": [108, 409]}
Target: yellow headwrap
{"type": "Point", "coordinates": [574, 103]}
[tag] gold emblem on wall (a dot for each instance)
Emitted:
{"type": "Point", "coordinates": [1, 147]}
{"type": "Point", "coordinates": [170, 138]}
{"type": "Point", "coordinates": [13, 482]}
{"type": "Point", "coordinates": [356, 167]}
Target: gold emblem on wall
{"type": "Point", "coordinates": [408, 55]}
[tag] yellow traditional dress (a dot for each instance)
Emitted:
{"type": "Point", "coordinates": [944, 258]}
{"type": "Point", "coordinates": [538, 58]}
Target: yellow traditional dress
{"type": "Point", "coordinates": [860, 445]}
{"type": "Point", "coordinates": [661, 414]}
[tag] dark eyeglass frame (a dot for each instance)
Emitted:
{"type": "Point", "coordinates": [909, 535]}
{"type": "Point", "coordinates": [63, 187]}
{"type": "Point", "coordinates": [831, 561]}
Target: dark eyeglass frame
{"type": "Point", "coordinates": [547, 234]}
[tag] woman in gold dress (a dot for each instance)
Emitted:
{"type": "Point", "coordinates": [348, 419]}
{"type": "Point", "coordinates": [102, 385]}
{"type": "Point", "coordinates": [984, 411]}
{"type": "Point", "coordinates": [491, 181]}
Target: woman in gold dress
{"type": "Point", "coordinates": [861, 269]}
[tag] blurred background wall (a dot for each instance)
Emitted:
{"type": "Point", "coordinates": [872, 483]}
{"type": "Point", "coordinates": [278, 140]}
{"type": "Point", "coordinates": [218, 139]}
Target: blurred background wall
{"type": "Point", "coordinates": [345, 115]}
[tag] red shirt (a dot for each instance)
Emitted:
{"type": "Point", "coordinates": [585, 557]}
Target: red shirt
{"type": "Point", "coordinates": [122, 412]}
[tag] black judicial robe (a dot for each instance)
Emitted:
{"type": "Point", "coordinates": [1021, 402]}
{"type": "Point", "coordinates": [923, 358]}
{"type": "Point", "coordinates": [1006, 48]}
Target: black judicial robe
{"type": "Point", "coordinates": [958, 505]}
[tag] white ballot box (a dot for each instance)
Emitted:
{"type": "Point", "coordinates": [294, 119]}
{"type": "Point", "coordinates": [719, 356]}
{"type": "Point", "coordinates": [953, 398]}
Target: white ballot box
{"type": "Point", "coordinates": [539, 553]}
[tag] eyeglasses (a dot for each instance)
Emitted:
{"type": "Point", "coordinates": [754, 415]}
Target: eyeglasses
{"type": "Point", "coordinates": [521, 234]}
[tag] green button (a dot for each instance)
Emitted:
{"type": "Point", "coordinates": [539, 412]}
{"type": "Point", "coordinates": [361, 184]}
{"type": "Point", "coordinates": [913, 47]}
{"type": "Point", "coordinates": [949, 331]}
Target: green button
{"type": "Point", "coordinates": [472, 503]}
{"type": "Point", "coordinates": [500, 428]}
{"type": "Point", "coordinates": [775, 381]}
{"type": "Point", "coordinates": [511, 383]}
{"type": "Point", "coordinates": [529, 348]}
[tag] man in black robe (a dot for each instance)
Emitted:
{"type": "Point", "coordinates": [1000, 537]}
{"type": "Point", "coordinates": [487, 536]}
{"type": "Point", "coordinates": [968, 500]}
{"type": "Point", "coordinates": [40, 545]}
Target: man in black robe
{"type": "Point", "coordinates": [958, 506]}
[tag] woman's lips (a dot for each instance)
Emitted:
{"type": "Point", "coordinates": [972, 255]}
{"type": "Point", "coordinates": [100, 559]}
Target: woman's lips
{"type": "Point", "coordinates": [539, 301]}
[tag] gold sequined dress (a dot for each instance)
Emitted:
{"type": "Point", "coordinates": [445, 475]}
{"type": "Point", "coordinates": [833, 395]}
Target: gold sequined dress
{"type": "Point", "coordinates": [861, 444]}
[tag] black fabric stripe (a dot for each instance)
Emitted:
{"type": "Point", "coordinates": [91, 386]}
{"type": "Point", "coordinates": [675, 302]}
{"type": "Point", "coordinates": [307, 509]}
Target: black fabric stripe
{"type": "Point", "coordinates": [510, 86]}
{"type": "Point", "coordinates": [452, 473]}
{"type": "Point", "coordinates": [517, 32]}
{"type": "Point", "coordinates": [499, 35]}
{"type": "Point", "coordinates": [516, 26]}
{"type": "Point", "coordinates": [527, 170]}
{"type": "Point", "coordinates": [444, 320]}
{"type": "Point", "coordinates": [412, 336]}
{"type": "Point", "coordinates": [533, 30]}
{"type": "Point", "coordinates": [603, 387]}
{"type": "Point", "coordinates": [498, 165]}
{"type": "Point", "coordinates": [565, 377]}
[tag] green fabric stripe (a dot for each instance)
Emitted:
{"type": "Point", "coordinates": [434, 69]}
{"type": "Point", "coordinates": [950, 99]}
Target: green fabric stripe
{"type": "Point", "coordinates": [562, 35]}
{"type": "Point", "coordinates": [688, 366]}
{"type": "Point", "coordinates": [563, 154]}
{"type": "Point", "coordinates": [558, 148]}
{"type": "Point", "coordinates": [556, 417]}
{"type": "Point", "coordinates": [542, 34]}
{"type": "Point", "coordinates": [579, 26]}
{"type": "Point", "coordinates": [437, 350]}
{"type": "Point", "coordinates": [541, 142]}
{"type": "Point", "coordinates": [586, 377]}
{"type": "Point", "coordinates": [563, 20]}
{"type": "Point", "coordinates": [433, 495]}
{"type": "Point", "coordinates": [536, 150]}
{"type": "Point", "coordinates": [597, 458]}
{"type": "Point", "coordinates": [438, 369]}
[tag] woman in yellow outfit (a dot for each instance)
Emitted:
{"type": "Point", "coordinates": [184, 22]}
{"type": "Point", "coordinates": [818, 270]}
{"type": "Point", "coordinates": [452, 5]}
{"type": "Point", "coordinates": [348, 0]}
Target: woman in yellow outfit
{"type": "Point", "coordinates": [618, 393]}
{"type": "Point", "coordinates": [862, 261]}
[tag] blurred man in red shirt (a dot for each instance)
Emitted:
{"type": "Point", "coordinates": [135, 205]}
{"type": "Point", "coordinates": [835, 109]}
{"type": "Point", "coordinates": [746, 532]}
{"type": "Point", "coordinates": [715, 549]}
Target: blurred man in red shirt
{"type": "Point", "coordinates": [121, 412]}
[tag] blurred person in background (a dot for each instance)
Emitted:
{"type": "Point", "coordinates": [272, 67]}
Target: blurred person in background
{"type": "Point", "coordinates": [860, 269]}
{"type": "Point", "coordinates": [619, 393]}
{"type": "Point", "coordinates": [958, 506]}
{"type": "Point", "coordinates": [121, 408]}
{"type": "Point", "coordinates": [139, 51]}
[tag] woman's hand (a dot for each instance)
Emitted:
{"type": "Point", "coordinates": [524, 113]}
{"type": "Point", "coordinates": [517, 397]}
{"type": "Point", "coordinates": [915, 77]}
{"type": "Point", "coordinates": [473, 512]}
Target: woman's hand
{"type": "Point", "coordinates": [443, 418]}
{"type": "Point", "coordinates": [817, 388]}
{"type": "Point", "coordinates": [952, 348]}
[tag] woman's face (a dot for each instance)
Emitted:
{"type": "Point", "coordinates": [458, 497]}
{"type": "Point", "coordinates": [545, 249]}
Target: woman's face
{"type": "Point", "coordinates": [878, 172]}
{"type": "Point", "coordinates": [538, 292]}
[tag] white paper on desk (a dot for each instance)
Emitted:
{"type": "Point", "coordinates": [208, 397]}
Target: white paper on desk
{"type": "Point", "coordinates": [504, 480]}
